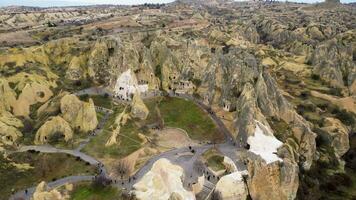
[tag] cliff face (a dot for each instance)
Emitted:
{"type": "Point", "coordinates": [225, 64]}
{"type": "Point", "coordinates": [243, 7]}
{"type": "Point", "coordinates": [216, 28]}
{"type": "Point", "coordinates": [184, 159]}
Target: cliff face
{"type": "Point", "coordinates": [80, 115]}
{"type": "Point", "coordinates": [163, 181]}
{"type": "Point", "coordinates": [48, 130]}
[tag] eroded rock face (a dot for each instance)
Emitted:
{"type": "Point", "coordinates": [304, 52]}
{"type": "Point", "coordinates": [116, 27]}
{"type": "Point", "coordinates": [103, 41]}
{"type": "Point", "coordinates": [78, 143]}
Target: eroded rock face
{"type": "Point", "coordinates": [339, 135]}
{"type": "Point", "coordinates": [80, 115]}
{"type": "Point", "coordinates": [138, 108]}
{"type": "Point", "coordinates": [7, 96]}
{"type": "Point", "coordinates": [44, 193]}
{"type": "Point", "coordinates": [333, 61]}
{"type": "Point", "coordinates": [231, 186]}
{"type": "Point", "coordinates": [56, 125]}
{"type": "Point", "coordinates": [126, 86]}
{"type": "Point", "coordinates": [99, 58]}
{"type": "Point", "coordinates": [10, 128]}
{"type": "Point", "coordinates": [272, 181]}
{"type": "Point", "coordinates": [162, 182]}
{"type": "Point", "coordinates": [31, 94]}
{"type": "Point", "coordinates": [77, 70]}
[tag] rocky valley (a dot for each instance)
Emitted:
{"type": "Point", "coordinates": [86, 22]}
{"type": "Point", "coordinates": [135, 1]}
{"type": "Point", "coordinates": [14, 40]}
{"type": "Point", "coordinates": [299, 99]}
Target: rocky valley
{"type": "Point", "coordinates": [188, 100]}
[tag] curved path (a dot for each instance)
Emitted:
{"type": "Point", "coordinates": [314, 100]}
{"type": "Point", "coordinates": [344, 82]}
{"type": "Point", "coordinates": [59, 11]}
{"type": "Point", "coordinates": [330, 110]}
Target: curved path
{"type": "Point", "coordinates": [181, 156]}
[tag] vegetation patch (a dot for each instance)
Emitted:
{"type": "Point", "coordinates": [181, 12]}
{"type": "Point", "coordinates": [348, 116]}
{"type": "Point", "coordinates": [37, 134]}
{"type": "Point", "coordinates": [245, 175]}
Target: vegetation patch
{"type": "Point", "coordinates": [89, 191]}
{"type": "Point", "coordinates": [34, 167]}
{"type": "Point", "coordinates": [214, 159]}
{"type": "Point", "coordinates": [99, 100]}
{"type": "Point", "coordinates": [184, 114]}
{"type": "Point", "coordinates": [281, 129]}
{"type": "Point", "coordinates": [128, 140]}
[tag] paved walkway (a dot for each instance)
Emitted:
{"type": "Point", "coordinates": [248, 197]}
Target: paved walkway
{"type": "Point", "coordinates": [181, 156]}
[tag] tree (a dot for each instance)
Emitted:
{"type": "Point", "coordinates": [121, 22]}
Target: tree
{"type": "Point", "coordinates": [101, 181]}
{"type": "Point", "coordinates": [123, 168]}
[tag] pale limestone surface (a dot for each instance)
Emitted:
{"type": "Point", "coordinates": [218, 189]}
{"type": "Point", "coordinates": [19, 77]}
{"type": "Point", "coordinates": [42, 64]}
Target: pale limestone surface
{"type": "Point", "coordinates": [161, 182]}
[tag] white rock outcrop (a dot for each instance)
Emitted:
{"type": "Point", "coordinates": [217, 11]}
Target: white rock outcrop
{"type": "Point", "coordinates": [126, 85]}
{"type": "Point", "coordinates": [264, 144]}
{"type": "Point", "coordinates": [231, 186]}
{"type": "Point", "coordinates": [229, 164]}
{"type": "Point", "coordinates": [162, 182]}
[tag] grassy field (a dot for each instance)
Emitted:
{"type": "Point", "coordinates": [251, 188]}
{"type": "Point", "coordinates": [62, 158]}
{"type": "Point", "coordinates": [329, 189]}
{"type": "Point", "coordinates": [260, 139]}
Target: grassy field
{"type": "Point", "coordinates": [214, 159]}
{"type": "Point", "coordinates": [42, 167]}
{"type": "Point", "coordinates": [99, 100]}
{"type": "Point", "coordinates": [152, 105]}
{"type": "Point", "coordinates": [129, 140]}
{"type": "Point", "coordinates": [175, 112]}
{"type": "Point", "coordinates": [187, 115]}
{"type": "Point", "coordinates": [87, 191]}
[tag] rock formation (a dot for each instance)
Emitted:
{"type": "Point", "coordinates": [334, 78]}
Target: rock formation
{"type": "Point", "coordinates": [231, 186]}
{"type": "Point", "coordinates": [10, 128]}
{"type": "Point", "coordinates": [163, 181]}
{"type": "Point", "coordinates": [42, 192]}
{"type": "Point", "coordinates": [138, 108]}
{"type": "Point", "coordinates": [120, 120]}
{"type": "Point", "coordinates": [338, 134]}
{"type": "Point", "coordinates": [56, 125]}
{"type": "Point", "coordinates": [80, 115]}
{"type": "Point", "coordinates": [7, 96]}
{"type": "Point", "coordinates": [272, 181]}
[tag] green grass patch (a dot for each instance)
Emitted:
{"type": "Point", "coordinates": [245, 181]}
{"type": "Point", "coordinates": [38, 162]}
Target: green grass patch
{"type": "Point", "coordinates": [99, 100]}
{"type": "Point", "coordinates": [187, 115]}
{"type": "Point", "coordinates": [151, 104]}
{"type": "Point", "coordinates": [214, 159]}
{"type": "Point", "coordinates": [44, 167]}
{"type": "Point", "coordinates": [87, 191]}
{"type": "Point", "coordinates": [281, 129]}
{"type": "Point", "coordinates": [129, 140]}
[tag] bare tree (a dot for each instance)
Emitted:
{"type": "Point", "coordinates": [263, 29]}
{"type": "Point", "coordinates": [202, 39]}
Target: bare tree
{"type": "Point", "coordinates": [101, 181]}
{"type": "Point", "coordinates": [123, 168]}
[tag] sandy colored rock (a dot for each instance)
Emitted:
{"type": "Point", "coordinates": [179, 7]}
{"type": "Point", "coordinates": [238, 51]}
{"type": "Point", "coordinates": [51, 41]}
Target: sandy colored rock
{"type": "Point", "coordinates": [120, 120]}
{"type": "Point", "coordinates": [7, 96]}
{"type": "Point", "coordinates": [138, 108]}
{"type": "Point", "coordinates": [339, 135]}
{"type": "Point", "coordinates": [269, 62]}
{"type": "Point", "coordinates": [231, 186]}
{"type": "Point", "coordinates": [55, 125]}
{"type": "Point", "coordinates": [161, 182]}
{"type": "Point", "coordinates": [76, 69]}
{"type": "Point", "coordinates": [80, 115]}
{"type": "Point", "coordinates": [273, 181]}
{"type": "Point", "coordinates": [10, 128]}
{"type": "Point", "coordinates": [51, 107]}
{"type": "Point", "coordinates": [42, 192]}
{"type": "Point", "coordinates": [347, 103]}
{"type": "Point", "coordinates": [31, 94]}
{"type": "Point", "coordinates": [199, 185]}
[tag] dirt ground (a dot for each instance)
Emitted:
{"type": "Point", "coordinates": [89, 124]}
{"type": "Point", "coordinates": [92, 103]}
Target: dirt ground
{"type": "Point", "coordinates": [167, 138]}
{"type": "Point", "coordinates": [174, 138]}
{"type": "Point", "coordinates": [18, 37]}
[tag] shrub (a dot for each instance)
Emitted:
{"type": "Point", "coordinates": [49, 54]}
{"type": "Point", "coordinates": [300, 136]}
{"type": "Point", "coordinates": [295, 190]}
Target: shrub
{"type": "Point", "coordinates": [315, 77]}
{"type": "Point", "coordinates": [196, 82]}
{"type": "Point", "coordinates": [335, 91]}
{"type": "Point", "coordinates": [322, 138]}
{"type": "Point", "coordinates": [345, 117]}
